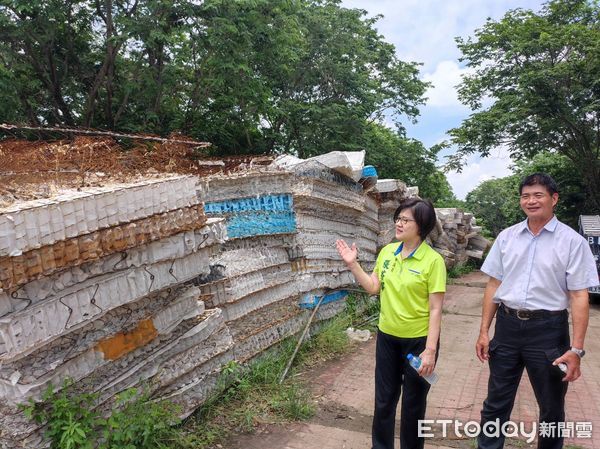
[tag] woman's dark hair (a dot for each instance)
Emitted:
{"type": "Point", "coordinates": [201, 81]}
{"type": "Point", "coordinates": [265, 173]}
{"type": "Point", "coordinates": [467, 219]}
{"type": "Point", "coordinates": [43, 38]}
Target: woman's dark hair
{"type": "Point", "coordinates": [542, 179]}
{"type": "Point", "coordinates": [423, 212]}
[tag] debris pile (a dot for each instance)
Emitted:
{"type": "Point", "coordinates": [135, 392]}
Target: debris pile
{"type": "Point", "coordinates": [457, 237]}
{"type": "Point", "coordinates": [125, 278]}
{"type": "Point", "coordinates": [42, 169]}
{"type": "Point", "coordinates": [97, 287]}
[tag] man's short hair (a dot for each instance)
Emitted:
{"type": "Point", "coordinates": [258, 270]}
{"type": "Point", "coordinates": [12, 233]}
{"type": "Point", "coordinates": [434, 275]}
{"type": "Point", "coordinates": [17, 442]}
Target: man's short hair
{"type": "Point", "coordinates": [423, 212]}
{"type": "Point", "coordinates": [542, 179]}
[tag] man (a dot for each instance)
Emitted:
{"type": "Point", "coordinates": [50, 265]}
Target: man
{"type": "Point", "coordinates": [537, 269]}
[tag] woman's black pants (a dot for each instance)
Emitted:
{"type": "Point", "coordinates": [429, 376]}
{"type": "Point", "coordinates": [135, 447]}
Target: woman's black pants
{"type": "Point", "coordinates": [393, 375]}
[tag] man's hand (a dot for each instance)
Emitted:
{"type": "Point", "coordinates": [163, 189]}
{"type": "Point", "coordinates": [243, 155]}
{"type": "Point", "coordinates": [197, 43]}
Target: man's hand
{"type": "Point", "coordinates": [573, 363]}
{"type": "Point", "coordinates": [482, 346]}
{"type": "Point", "coordinates": [427, 362]}
{"type": "Point", "coordinates": [489, 308]}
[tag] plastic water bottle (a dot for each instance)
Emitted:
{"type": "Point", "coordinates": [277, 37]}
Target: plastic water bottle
{"type": "Point", "coordinates": [415, 362]}
{"type": "Point", "coordinates": [563, 367]}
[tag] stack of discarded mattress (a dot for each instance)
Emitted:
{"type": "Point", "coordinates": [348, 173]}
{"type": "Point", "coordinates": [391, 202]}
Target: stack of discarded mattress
{"type": "Point", "coordinates": [98, 287]}
{"type": "Point", "coordinates": [330, 202]}
{"type": "Point", "coordinates": [457, 237]}
{"type": "Point", "coordinates": [330, 206]}
{"type": "Point", "coordinates": [262, 274]}
{"type": "Point", "coordinates": [252, 279]}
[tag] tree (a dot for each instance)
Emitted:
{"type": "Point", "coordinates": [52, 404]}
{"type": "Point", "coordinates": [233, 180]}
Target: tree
{"type": "Point", "coordinates": [43, 50]}
{"type": "Point", "coordinates": [542, 74]}
{"type": "Point", "coordinates": [572, 199]}
{"type": "Point", "coordinates": [301, 77]}
{"type": "Point", "coordinates": [101, 63]}
{"type": "Point", "coordinates": [495, 202]}
{"type": "Point", "coordinates": [252, 76]}
{"type": "Point", "coordinates": [397, 157]}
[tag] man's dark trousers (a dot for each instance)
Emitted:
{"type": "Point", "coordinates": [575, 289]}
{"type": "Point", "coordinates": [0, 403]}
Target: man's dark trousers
{"type": "Point", "coordinates": [531, 344]}
{"type": "Point", "coordinates": [393, 374]}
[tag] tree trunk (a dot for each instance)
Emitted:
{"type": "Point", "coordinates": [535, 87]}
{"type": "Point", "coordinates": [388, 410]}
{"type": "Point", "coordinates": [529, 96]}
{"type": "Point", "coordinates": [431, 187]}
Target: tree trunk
{"type": "Point", "coordinates": [57, 92]}
{"type": "Point", "coordinates": [589, 167]}
{"type": "Point", "coordinates": [592, 181]}
{"type": "Point", "coordinates": [110, 70]}
{"type": "Point", "coordinates": [107, 65]}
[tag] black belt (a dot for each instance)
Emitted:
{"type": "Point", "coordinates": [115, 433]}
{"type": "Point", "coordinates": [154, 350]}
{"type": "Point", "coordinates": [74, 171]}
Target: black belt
{"type": "Point", "coordinates": [524, 314]}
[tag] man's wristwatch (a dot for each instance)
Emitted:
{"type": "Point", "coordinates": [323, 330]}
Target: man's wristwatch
{"type": "Point", "coordinates": [579, 352]}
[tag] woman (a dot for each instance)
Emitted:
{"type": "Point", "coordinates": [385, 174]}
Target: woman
{"type": "Point", "coordinates": [410, 278]}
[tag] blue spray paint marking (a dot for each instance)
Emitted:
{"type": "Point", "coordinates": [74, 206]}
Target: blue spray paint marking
{"type": "Point", "coordinates": [265, 202]}
{"type": "Point", "coordinates": [263, 215]}
{"type": "Point", "coordinates": [310, 301]}
{"type": "Point", "coordinates": [260, 223]}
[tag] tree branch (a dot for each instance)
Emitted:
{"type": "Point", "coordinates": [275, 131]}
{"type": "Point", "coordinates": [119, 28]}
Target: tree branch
{"type": "Point", "coordinates": [91, 132]}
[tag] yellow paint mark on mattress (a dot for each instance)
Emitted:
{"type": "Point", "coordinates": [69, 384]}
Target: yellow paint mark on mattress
{"type": "Point", "coordinates": [125, 342]}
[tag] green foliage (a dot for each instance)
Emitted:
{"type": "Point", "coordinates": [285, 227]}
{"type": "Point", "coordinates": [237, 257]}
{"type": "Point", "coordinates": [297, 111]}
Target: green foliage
{"type": "Point", "coordinates": [460, 270]}
{"type": "Point", "coordinates": [397, 157]}
{"type": "Point", "coordinates": [139, 423]}
{"type": "Point", "coordinates": [495, 202]}
{"type": "Point", "coordinates": [251, 76]}
{"type": "Point", "coordinates": [298, 77]}
{"type": "Point", "coordinates": [541, 72]}
{"type": "Point", "coordinates": [331, 339]}
{"type": "Point", "coordinates": [73, 423]}
{"type": "Point", "coordinates": [452, 202]}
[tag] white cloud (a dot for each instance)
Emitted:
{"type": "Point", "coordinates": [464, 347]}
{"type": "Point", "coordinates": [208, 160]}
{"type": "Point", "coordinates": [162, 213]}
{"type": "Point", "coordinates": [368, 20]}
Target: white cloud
{"type": "Point", "coordinates": [477, 170]}
{"type": "Point", "coordinates": [424, 31]}
{"type": "Point", "coordinates": [443, 94]}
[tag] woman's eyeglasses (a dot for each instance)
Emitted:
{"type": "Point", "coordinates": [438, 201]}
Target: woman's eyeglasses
{"type": "Point", "coordinates": [403, 220]}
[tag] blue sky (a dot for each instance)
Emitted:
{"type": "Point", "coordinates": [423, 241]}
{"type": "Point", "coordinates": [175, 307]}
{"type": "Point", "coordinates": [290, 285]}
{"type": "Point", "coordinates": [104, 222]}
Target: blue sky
{"type": "Point", "coordinates": [424, 31]}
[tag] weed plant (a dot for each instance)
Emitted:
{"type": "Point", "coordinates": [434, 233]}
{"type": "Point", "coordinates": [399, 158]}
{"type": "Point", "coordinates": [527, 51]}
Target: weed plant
{"type": "Point", "coordinates": [246, 396]}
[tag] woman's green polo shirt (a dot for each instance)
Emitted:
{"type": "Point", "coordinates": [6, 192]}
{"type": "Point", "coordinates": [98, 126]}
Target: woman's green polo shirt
{"type": "Point", "coordinates": [405, 288]}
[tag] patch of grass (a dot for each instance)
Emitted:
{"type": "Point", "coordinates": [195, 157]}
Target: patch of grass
{"type": "Point", "coordinates": [293, 403]}
{"type": "Point", "coordinates": [460, 270]}
{"type": "Point", "coordinates": [250, 395]}
{"type": "Point", "coordinates": [363, 311]}
{"type": "Point", "coordinates": [331, 341]}
{"type": "Point", "coordinates": [72, 422]}
{"type": "Point", "coordinates": [245, 396]}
